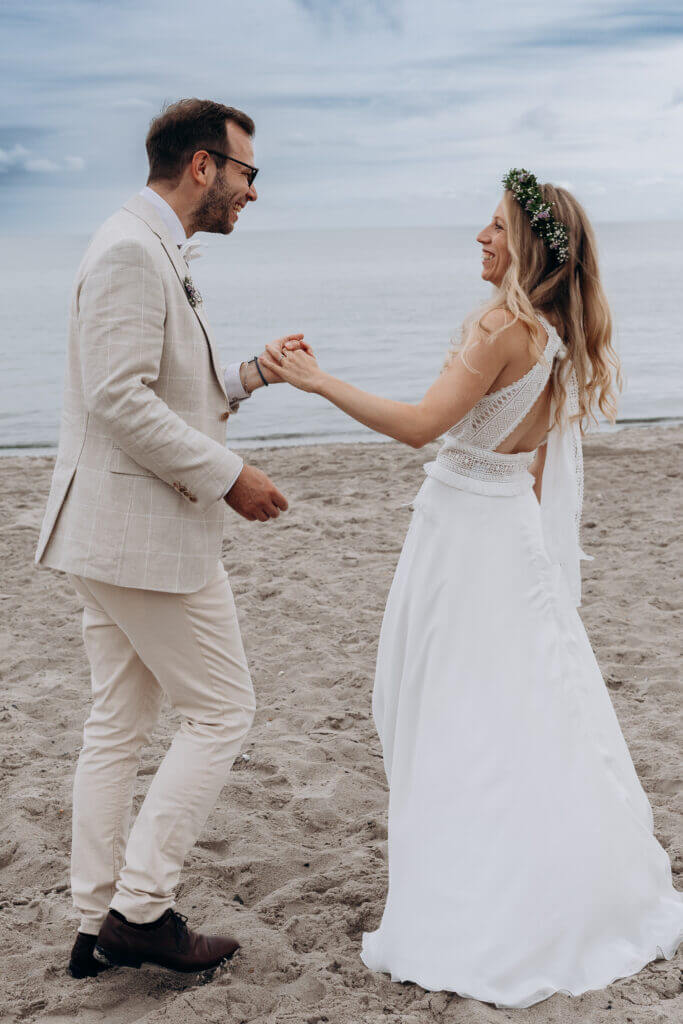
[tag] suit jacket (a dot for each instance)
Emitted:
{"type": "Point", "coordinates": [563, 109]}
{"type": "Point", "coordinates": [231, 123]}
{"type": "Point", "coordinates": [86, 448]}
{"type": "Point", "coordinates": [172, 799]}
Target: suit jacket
{"type": "Point", "coordinates": [142, 466]}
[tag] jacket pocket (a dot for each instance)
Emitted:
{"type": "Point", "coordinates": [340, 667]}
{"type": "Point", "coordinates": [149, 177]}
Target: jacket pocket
{"type": "Point", "coordinates": [119, 462]}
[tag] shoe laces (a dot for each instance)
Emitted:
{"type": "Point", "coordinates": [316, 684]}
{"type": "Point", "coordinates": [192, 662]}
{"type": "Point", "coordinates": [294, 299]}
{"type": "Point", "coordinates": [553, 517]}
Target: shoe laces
{"type": "Point", "coordinates": [180, 922]}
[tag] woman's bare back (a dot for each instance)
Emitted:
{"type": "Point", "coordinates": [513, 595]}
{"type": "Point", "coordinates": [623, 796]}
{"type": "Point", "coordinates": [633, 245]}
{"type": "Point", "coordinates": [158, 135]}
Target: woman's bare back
{"type": "Point", "coordinates": [533, 430]}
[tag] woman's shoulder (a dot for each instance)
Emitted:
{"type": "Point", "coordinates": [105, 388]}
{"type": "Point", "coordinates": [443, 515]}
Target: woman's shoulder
{"type": "Point", "coordinates": [509, 331]}
{"type": "Point", "coordinates": [496, 320]}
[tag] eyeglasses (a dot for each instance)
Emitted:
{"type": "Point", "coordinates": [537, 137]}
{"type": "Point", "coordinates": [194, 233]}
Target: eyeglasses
{"type": "Point", "coordinates": [253, 171]}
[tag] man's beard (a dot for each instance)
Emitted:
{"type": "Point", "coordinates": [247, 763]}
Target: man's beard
{"type": "Point", "coordinates": [213, 212]}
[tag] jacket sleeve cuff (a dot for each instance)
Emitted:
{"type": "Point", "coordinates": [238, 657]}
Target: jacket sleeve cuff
{"type": "Point", "coordinates": [221, 479]}
{"type": "Point", "coordinates": [234, 479]}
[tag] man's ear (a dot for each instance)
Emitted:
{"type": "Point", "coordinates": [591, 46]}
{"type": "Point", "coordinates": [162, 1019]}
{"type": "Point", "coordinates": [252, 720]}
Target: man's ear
{"type": "Point", "coordinates": [199, 167]}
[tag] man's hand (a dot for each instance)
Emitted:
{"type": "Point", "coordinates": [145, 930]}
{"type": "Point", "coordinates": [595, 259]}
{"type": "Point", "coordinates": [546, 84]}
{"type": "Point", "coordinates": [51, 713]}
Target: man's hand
{"type": "Point", "coordinates": [254, 496]}
{"type": "Point", "coordinates": [289, 341]}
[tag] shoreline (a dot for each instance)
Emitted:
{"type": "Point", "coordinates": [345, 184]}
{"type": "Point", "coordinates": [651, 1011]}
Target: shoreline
{"type": "Point", "coordinates": [298, 441]}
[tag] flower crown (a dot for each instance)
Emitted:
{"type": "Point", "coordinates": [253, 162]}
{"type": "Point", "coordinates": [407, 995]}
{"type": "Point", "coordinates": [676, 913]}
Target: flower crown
{"type": "Point", "coordinates": [526, 190]}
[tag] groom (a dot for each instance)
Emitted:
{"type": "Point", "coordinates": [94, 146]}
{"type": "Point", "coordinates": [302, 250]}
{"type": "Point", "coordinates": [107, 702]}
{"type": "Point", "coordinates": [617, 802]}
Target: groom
{"type": "Point", "coordinates": [135, 518]}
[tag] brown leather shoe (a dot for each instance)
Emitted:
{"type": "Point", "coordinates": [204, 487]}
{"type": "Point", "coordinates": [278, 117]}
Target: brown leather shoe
{"type": "Point", "coordinates": [167, 942]}
{"type": "Point", "coordinates": [82, 964]}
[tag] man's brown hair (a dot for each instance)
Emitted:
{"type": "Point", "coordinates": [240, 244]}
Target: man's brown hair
{"type": "Point", "coordinates": [184, 127]}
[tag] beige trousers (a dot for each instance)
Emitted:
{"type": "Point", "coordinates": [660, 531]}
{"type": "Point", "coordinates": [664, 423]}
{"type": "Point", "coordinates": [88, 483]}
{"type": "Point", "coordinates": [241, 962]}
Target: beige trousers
{"type": "Point", "coordinates": [143, 645]}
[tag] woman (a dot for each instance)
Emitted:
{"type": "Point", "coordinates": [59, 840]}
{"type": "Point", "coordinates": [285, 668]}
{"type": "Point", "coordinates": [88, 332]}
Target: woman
{"type": "Point", "coordinates": [522, 859]}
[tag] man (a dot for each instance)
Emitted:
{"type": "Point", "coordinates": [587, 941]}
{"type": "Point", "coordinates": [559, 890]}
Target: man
{"type": "Point", "coordinates": [135, 518]}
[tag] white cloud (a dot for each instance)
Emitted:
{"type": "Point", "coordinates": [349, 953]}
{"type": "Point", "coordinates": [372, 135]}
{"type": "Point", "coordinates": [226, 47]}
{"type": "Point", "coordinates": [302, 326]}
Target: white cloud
{"type": "Point", "coordinates": [13, 157]}
{"type": "Point", "coordinates": [367, 111]}
{"type": "Point", "coordinates": [20, 158]}
{"type": "Point", "coordinates": [41, 165]}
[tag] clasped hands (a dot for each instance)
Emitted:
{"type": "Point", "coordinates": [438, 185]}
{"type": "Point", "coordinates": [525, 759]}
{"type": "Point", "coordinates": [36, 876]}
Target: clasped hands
{"type": "Point", "coordinates": [291, 359]}
{"type": "Point", "coordinates": [271, 358]}
{"type": "Point", "coordinates": [253, 495]}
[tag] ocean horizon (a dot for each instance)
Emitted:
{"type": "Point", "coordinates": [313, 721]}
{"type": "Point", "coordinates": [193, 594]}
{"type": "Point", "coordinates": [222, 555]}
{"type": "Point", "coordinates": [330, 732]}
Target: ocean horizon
{"type": "Point", "coordinates": [379, 305]}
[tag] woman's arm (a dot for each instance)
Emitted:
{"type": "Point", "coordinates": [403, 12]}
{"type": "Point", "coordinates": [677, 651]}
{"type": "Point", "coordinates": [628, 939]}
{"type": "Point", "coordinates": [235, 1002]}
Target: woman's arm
{"type": "Point", "coordinates": [450, 397]}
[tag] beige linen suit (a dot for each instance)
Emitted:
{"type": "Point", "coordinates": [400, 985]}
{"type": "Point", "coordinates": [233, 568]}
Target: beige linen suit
{"type": "Point", "coordinates": [142, 464]}
{"type": "Point", "coordinates": [135, 518]}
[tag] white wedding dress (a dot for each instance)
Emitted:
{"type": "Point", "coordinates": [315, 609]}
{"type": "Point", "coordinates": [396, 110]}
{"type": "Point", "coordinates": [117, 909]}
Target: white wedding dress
{"type": "Point", "coordinates": [522, 859]}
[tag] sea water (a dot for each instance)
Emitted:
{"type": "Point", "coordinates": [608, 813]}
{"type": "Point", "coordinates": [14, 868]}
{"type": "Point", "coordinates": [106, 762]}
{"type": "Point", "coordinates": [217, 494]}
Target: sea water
{"type": "Point", "coordinates": [379, 307]}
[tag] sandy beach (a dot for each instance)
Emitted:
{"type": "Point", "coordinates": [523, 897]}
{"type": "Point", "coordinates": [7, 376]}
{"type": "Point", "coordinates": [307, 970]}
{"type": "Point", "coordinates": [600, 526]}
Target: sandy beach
{"type": "Point", "coordinates": [292, 859]}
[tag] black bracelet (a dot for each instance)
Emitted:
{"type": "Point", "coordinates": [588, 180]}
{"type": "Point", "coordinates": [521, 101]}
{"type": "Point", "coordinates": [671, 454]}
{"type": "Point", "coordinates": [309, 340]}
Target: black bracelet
{"type": "Point", "coordinates": [260, 371]}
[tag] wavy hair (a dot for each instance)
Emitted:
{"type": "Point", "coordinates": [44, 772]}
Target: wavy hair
{"type": "Point", "coordinates": [570, 295]}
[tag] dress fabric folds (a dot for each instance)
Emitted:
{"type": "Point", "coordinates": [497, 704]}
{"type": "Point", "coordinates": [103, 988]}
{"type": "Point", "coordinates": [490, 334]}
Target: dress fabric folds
{"type": "Point", "coordinates": [522, 860]}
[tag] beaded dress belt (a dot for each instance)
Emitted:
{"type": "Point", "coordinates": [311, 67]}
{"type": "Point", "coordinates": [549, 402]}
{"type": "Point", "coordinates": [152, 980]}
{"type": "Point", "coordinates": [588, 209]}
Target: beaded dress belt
{"type": "Point", "coordinates": [483, 464]}
{"type": "Point", "coordinates": [469, 468]}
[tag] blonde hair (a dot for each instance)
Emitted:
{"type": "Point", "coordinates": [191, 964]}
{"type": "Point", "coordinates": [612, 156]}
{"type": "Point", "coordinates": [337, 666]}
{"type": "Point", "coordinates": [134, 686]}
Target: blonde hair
{"type": "Point", "coordinates": [570, 295]}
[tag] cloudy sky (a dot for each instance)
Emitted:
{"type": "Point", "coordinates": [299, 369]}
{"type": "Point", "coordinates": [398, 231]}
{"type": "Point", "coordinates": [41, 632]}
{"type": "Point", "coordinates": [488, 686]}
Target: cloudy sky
{"type": "Point", "coordinates": [377, 112]}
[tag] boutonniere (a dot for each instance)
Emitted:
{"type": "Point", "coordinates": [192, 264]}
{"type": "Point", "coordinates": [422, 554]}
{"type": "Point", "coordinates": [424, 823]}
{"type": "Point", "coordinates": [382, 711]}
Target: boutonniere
{"type": "Point", "coordinates": [192, 292]}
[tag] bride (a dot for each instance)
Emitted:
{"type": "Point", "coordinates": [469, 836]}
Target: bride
{"type": "Point", "coordinates": [522, 859]}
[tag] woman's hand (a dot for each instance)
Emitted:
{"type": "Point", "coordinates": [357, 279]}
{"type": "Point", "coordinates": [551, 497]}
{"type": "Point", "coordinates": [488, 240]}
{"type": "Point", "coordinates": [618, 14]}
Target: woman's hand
{"type": "Point", "coordinates": [291, 342]}
{"type": "Point", "coordinates": [298, 367]}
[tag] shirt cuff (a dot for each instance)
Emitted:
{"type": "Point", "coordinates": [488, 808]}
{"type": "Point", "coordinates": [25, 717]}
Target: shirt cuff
{"type": "Point", "coordinates": [234, 480]}
{"type": "Point", "coordinates": [233, 384]}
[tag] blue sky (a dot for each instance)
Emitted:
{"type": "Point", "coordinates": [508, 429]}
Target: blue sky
{"type": "Point", "coordinates": [368, 112]}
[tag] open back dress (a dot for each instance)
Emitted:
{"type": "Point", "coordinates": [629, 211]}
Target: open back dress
{"type": "Point", "coordinates": [521, 854]}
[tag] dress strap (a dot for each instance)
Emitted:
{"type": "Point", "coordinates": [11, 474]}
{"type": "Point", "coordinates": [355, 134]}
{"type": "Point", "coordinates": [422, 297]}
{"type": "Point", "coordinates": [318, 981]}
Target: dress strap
{"type": "Point", "coordinates": [546, 324]}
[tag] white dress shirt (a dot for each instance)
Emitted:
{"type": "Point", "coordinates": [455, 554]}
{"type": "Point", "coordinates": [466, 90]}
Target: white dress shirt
{"type": "Point", "coordinates": [231, 375]}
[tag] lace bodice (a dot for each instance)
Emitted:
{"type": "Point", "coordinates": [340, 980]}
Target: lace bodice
{"type": "Point", "coordinates": [495, 416]}
{"type": "Point", "coordinates": [468, 458]}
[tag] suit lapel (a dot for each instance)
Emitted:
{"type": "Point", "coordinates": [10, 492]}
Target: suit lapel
{"type": "Point", "coordinates": [146, 212]}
